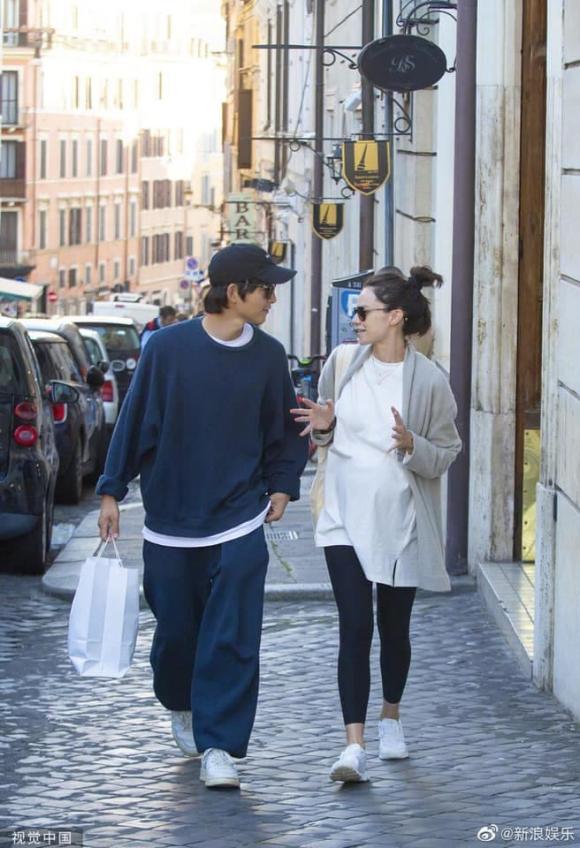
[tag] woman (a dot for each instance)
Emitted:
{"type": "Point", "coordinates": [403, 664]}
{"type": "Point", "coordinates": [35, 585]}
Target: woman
{"type": "Point", "coordinates": [391, 435]}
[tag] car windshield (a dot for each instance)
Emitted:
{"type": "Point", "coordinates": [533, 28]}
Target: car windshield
{"type": "Point", "coordinates": [117, 337]}
{"type": "Point", "coordinates": [12, 379]}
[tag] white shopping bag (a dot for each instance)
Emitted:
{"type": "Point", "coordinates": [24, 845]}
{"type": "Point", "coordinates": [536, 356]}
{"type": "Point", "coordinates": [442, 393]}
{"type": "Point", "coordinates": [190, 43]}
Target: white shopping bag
{"type": "Point", "coordinates": [104, 617]}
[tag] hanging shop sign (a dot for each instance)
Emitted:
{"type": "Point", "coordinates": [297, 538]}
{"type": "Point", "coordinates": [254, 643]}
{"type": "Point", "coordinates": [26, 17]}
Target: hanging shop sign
{"type": "Point", "coordinates": [366, 165]}
{"type": "Point", "coordinates": [402, 63]}
{"type": "Point", "coordinates": [241, 218]}
{"type": "Point", "coordinates": [277, 250]}
{"type": "Point", "coordinates": [327, 219]}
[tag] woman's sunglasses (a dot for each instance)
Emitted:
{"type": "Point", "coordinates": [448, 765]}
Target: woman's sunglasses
{"type": "Point", "coordinates": [361, 312]}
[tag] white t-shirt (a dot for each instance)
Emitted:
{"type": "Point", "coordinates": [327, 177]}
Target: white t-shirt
{"type": "Point", "coordinates": [368, 503]}
{"type": "Point", "coordinates": [227, 535]}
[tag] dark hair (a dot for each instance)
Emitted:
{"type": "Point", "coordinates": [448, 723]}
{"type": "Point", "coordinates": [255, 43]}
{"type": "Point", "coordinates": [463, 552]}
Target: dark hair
{"type": "Point", "coordinates": [167, 312]}
{"type": "Point", "coordinates": [396, 291]}
{"type": "Point", "coordinates": [216, 298]}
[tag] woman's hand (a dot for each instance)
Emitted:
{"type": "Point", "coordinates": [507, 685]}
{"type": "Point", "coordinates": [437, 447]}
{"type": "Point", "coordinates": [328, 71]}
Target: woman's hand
{"type": "Point", "coordinates": [402, 438]}
{"type": "Point", "coordinates": [316, 416]}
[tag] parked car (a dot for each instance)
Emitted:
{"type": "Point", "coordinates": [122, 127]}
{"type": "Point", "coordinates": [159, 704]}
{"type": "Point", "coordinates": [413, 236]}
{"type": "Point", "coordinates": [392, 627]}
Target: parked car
{"type": "Point", "coordinates": [109, 390]}
{"type": "Point", "coordinates": [80, 427]}
{"type": "Point", "coordinates": [121, 341]}
{"type": "Point", "coordinates": [29, 459]}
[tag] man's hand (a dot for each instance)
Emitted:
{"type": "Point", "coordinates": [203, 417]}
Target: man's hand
{"type": "Point", "coordinates": [278, 503]}
{"type": "Point", "coordinates": [109, 518]}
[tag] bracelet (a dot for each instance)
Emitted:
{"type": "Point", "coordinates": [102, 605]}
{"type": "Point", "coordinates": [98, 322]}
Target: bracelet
{"type": "Point", "coordinates": [329, 430]}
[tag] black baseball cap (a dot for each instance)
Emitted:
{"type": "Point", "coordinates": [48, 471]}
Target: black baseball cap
{"type": "Point", "coordinates": [237, 263]}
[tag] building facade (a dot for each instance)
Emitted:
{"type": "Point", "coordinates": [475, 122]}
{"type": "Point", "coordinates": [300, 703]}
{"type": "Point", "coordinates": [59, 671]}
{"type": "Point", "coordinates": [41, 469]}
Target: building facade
{"type": "Point", "coordinates": [99, 143]}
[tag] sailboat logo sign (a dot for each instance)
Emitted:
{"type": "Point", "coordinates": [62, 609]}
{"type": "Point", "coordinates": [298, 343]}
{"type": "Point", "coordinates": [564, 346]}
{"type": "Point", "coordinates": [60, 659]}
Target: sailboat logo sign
{"type": "Point", "coordinates": [327, 219]}
{"type": "Point", "coordinates": [366, 165]}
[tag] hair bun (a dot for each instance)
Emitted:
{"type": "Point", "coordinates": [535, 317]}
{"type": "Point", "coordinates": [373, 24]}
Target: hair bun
{"type": "Point", "coordinates": [422, 276]}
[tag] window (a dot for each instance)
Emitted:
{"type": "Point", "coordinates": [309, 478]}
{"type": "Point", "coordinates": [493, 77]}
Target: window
{"type": "Point", "coordinates": [89, 93]}
{"type": "Point", "coordinates": [72, 278]}
{"type": "Point", "coordinates": [119, 157]}
{"type": "Point", "coordinates": [42, 229]}
{"type": "Point", "coordinates": [179, 193]}
{"type": "Point", "coordinates": [145, 250]}
{"type": "Point", "coordinates": [89, 224]}
{"type": "Point", "coordinates": [205, 190]}
{"type": "Point", "coordinates": [62, 227]}
{"type": "Point", "coordinates": [145, 195]}
{"type": "Point", "coordinates": [116, 269]}
{"type": "Point", "coordinates": [160, 86]}
{"type": "Point", "coordinates": [88, 274]}
{"type": "Point", "coordinates": [8, 160]}
{"type": "Point", "coordinates": [62, 278]}
{"type": "Point", "coordinates": [9, 97]}
{"type": "Point", "coordinates": [76, 92]}
{"type": "Point", "coordinates": [160, 248]}
{"type": "Point", "coordinates": [135, 94]}
{"type": "Point", "coordinates": [189, 245]}
{"type": "Point", "coordinates": [133, 219]}
{"type": "Point", "coordinates": [131, 266]}
{"type": "Point", "coordinates": [103, 162]}
{"type": "Point", "coordinates": [74, 225]}
{"type": "Point", "coordinates": [75, 158]}
{"type": "Point", "coordinates": [62, 168]}
{"type": "Point", "coordinates": [178, 246]}
{"type": "Point", "coordinates": [134, 157]}
{"type": "Point", "coordinates": [117, 221]}
{"type": "Point", "coordinates": [89, 164]}
{"type": "Point", "coordinates": [43, 158]}
{"type": "Point", "coordinates": [102, 272]}
{"type": "Point", "coordinates": [120, 93]}
{"type": "Point", "coordinates": [102, 223]}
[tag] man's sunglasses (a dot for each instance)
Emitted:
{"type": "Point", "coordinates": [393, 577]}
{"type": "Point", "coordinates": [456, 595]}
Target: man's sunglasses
{"type": "Point", "coordinates": [361, 312]}
{"type": "Point", "coordinates": [267, 288]}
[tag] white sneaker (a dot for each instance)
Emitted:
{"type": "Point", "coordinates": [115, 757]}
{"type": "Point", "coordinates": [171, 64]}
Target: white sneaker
{"type": "Point", "coordinates": [183, 733]}
{"type": "Point", "coordinates": [392, 740]}
{"type": "Point", "coordinates": [218, 769]}
{"type": "Point", "coordinates": [351, 766]}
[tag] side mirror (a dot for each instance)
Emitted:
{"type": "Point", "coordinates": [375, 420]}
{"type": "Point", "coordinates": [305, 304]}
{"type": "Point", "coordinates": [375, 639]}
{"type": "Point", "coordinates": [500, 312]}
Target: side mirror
{"type": "Point", "coordinates": [95, 377]}
{"type": "Point", "coordinates": [103, 365]}
{"type": "Point", "coordinates": [62, 392]}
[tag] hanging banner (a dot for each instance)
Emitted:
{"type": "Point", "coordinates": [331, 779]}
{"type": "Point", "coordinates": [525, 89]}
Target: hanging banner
{"type": "Point", "coordinates": [327, 219]}
{"type": "Point", "coordinates": [366, 165]}
{"type": "Point", "coordinates": [277, 250]}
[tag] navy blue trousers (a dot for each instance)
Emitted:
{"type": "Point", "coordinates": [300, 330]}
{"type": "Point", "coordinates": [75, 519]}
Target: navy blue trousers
{"type": "Point", "coordinates": [208, 603]}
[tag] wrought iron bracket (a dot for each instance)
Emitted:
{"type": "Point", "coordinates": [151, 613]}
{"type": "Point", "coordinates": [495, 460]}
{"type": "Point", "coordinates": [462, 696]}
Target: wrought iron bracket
{"type": "Point", "coordinates": [417, 15]}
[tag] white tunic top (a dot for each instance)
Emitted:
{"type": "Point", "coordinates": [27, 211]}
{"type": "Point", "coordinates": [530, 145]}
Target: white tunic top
{"type": "Point", "coordinates": [368, 503]}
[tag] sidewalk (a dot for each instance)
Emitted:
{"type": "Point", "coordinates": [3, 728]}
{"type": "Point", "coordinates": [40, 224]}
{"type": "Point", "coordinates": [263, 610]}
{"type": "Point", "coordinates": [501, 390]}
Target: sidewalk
{"type": "Point", "coordinates": [297, 569]}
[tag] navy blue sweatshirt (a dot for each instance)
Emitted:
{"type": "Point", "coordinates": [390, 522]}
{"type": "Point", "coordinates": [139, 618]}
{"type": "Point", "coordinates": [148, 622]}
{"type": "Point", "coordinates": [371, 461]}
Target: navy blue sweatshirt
{"type": "Point", "coordinates": [209, 430]}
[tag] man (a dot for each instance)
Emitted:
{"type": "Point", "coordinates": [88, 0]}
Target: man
{"type": "Point", "coordinates": [167, 315]}
{"type": "Point", "coordinates": [207, 425]}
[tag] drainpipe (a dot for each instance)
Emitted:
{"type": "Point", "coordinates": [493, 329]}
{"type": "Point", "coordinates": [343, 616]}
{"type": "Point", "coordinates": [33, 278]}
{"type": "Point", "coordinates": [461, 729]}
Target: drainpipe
{"type": "Point", "coordinates": [389, 219]}
{"type": "Point", "coordinates": [367, 202]}
{"type": "Point", "coordinates": [462, 276]}
{"type": "Point", "coordinates": [318, 186]}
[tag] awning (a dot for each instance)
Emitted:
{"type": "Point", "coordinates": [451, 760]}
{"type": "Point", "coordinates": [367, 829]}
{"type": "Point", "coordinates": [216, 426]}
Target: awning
{"type": "Point", "coordinates": [9, 289]}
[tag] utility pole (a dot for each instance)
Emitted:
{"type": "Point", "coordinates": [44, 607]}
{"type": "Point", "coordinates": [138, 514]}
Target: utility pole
{"type": "Point", "coordinates": [462, 275]}
{"type": "Point", "coordinates": [318, 185]}
{"type": "Point", "coordinates": [367, 203]}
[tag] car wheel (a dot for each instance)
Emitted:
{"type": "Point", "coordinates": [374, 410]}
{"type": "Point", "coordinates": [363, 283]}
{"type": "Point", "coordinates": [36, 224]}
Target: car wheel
{"type": "Point", "coordinates": [70, 486]}
{"type": "Point", "coordinates": [29, 554]}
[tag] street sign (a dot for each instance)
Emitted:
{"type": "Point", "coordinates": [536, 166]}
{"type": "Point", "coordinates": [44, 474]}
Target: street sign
{"type": "Point", "coordinates": [366, 165]}
{"type": "Point", "coordinates": [184, 284]}
{"type": "Point", "coordinates": [52, 297]}
{"type": "Point", "coordinates": [191, 263]}
{"type": "Point", "coordinates": [344, 294]}
{"type": "Point", "coordinates": [402, 63]}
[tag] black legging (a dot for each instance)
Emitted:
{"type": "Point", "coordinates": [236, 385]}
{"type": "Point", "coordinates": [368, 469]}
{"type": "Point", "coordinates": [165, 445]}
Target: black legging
{"type": "Point", "coordinates": [354, 599]}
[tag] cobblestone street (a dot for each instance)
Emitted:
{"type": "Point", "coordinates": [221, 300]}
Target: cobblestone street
{"type": "Point", "coordinates": [486, 746]}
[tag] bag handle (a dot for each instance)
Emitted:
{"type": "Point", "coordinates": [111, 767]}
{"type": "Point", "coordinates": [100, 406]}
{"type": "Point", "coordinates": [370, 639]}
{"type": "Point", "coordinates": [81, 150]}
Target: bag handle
{"type": "Point", "coordinates": [103, 545]}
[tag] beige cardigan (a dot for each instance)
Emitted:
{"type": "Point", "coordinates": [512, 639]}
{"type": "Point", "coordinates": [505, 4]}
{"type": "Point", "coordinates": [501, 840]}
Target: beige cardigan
{"type": "Point", "coordinates": [429, 412]}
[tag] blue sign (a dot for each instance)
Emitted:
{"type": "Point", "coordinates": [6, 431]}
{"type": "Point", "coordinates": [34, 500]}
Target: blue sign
{"type": "Point", "coordinates": [191, 263]}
